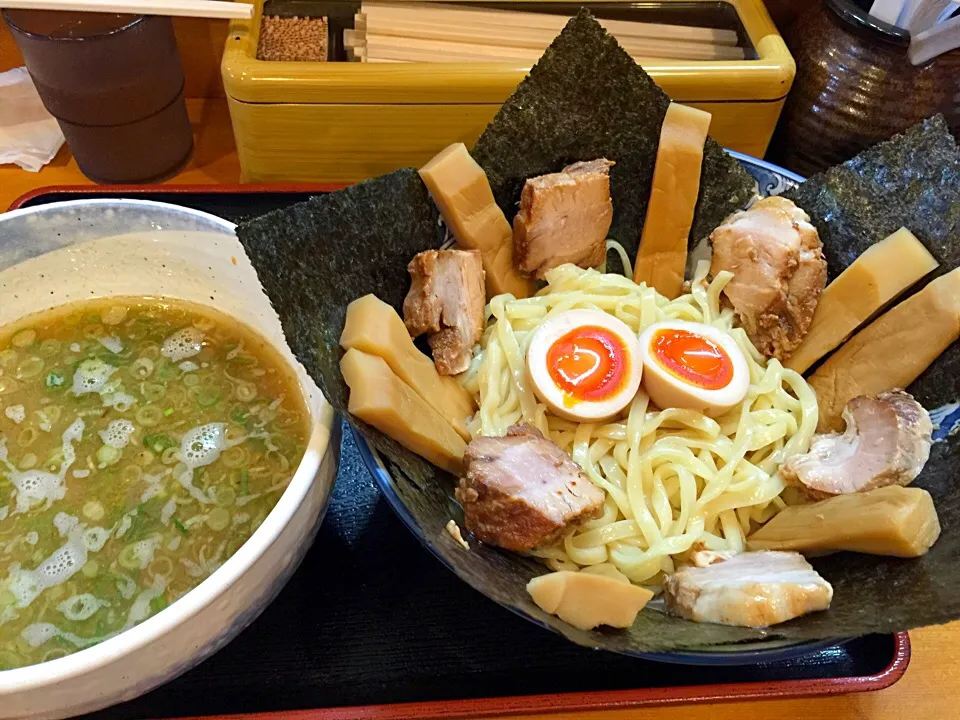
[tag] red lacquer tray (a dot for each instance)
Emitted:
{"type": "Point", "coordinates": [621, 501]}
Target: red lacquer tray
{"type": "Point", "coordinates": [600, 700]}
{"type": "Point", "coordinates": [321, 653]}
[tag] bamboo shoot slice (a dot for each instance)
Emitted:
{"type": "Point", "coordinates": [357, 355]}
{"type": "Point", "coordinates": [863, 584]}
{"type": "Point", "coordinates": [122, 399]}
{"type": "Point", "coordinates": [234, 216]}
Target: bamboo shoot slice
{"type": "Point", "coordinates": [662, 257]}
{"type": "Point", "coordinates": [892, 351]}
{"type": "Point", "coordinates": [880, 275]}
{"type": "Point", "coordinates": [374, 327]}
{"type": "Point", "coordinates": [893, 520]}
{"type": "Point", "coordinates": [586, 600]}
{"type": "Point", "coordinates": [380, 398]}
{"type": "Point", "coordinates": [461, 190]}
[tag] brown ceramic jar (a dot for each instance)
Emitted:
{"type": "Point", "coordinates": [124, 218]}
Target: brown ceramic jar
{"type": "Point", "coordinates": [855, 87]}
{"type": "Point", "coordinates": [115, 84]}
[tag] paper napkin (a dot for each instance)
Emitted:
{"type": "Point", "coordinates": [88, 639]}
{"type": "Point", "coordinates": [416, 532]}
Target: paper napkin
{"type": "Point", "coordinates": [29, 135]}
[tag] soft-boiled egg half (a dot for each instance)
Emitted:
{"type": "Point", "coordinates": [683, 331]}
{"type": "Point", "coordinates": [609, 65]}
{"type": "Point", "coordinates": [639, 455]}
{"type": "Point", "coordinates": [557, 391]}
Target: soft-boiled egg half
{"type": "Point", "coordinates": [692, 365]}
{"type": "Point", "coordinates": [584, 365]}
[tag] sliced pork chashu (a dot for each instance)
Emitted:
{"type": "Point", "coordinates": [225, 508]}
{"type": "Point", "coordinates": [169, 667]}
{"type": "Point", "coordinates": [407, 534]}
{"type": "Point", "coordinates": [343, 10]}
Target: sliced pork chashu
{"type": "Point", "coordinates": [886, 442]}
{"type": "Point", "coordinates": [776, 258]}
{"type": "Point", "coordinates": [522, 491]}
{"type": "Point", "coordinates": [564, 218]}
{"type": "Point", "coordinates": [754, 589]}
{"type": "Point", "coordinates": [446, 300]}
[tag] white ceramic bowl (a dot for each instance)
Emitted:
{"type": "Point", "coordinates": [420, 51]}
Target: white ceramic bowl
{"type": "Point", "coordinates": [56, 253]}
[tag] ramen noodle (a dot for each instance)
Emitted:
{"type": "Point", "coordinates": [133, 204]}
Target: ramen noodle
{"type": "Point", "coordinates": [676, 480]}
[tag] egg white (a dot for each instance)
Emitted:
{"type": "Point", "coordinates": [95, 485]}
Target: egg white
{"type": "Point", "coordinates": [553, 396]}
{"type": "Point", "coordinates": [666, 390]}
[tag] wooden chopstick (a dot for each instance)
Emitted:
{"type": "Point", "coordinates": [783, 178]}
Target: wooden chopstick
{"type": "Point", "coordinates": [511, 36]}
{"type": "Point", "coordinates": [428, 32]}
{"type": "Point", "coordinates": [441, 49]}
{"type": "Point", "coordinates": [414, 53]}
{"type": "Point", "coordinates": [476, 17]}
{"type": "Point", "coordinates": [374, 44]}
{"type": "Point", "coordinates": [453, 43]}
{"type": "Point", "coordinates": [183, 8]}
{"type": "Point", "coordinates": [418, 33]}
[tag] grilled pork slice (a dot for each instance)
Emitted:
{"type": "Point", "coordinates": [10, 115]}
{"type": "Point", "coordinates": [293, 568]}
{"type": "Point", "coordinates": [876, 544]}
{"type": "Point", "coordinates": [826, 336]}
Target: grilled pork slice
{"type": "Point", "coordinates": [754, 589]}
{"type": "Point", "coordinates": [446, 300]}
{"type": "Point", "coordinates": [886, 442]}
{"type": "Point", "coordinates": [776, 258]}
{"type": "Point", "coordinates": [522, 491]}
{"type": "Point", "coordinates": [564, 218]}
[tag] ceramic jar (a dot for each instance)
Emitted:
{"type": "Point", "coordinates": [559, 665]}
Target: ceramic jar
{"type": "Point", "coordinates": [855, 87]}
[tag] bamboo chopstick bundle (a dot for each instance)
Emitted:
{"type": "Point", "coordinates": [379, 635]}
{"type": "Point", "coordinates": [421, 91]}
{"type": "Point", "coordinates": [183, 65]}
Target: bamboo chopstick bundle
{"type": "Point", "coordinates": [535, 38]}
{"type": "Point", "coordinates": [440, 33]}
{"type": "Point", "coordinates": [482, 17]}
{"type": "Point", "coordinates": [446, 47]}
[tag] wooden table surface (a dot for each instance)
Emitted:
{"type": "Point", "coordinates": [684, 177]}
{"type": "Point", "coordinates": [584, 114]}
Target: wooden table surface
{"type": "Point", "coordinates": [214, 158]}
{"type": "Point", "coordinates": [929, 690]}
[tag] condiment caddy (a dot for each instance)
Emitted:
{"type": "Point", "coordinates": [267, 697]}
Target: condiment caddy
{"type": "Point", "coordinates": [346, 121]}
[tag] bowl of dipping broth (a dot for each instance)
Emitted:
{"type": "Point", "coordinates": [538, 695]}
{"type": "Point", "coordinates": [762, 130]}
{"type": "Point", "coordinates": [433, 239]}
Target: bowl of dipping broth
{"type": "Point", "coordinates": [165, 461]}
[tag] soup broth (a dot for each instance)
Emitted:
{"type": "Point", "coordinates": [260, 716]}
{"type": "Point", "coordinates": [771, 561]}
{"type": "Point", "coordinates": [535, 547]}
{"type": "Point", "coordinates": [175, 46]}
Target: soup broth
{"type": "Point", "coordinates": [142, 441]}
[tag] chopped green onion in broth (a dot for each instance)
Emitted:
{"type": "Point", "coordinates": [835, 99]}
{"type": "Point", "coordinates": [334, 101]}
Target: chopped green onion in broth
{"type": "Point", "coordinates": [141, 443]}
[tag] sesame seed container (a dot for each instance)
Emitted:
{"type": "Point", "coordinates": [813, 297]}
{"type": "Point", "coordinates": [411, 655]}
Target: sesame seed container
{"type": "Point", "coordinates": [341, 121]}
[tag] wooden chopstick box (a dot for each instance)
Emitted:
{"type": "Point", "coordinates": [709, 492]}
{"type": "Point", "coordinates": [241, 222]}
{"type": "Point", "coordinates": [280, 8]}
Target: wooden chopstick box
{"type": "Point", "coordinates": [341, 121]}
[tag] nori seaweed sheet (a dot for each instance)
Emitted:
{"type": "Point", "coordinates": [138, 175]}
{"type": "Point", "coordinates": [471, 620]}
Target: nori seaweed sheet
{"type": "Point", "coordinates": [912, 179]}
{"type": "Point", "coordinates": [314, 258]}
{"type": "Point", "coordinates": [587, 98]}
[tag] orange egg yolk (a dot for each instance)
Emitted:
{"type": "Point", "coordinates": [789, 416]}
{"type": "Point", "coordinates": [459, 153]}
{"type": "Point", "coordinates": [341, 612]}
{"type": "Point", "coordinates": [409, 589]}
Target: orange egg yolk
{"type": "Point", "coordinates": [588, 363]}
{"type": "Point", "coordinates": [693, 358]}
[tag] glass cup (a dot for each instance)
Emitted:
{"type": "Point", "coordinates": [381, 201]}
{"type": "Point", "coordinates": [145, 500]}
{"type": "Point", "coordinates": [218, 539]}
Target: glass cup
{"type": "Point", "coordinates": [115, 85]}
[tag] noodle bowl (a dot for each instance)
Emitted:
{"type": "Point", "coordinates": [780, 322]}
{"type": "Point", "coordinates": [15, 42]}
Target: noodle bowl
{"type": "Point", "coordinates": [675, 480]}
